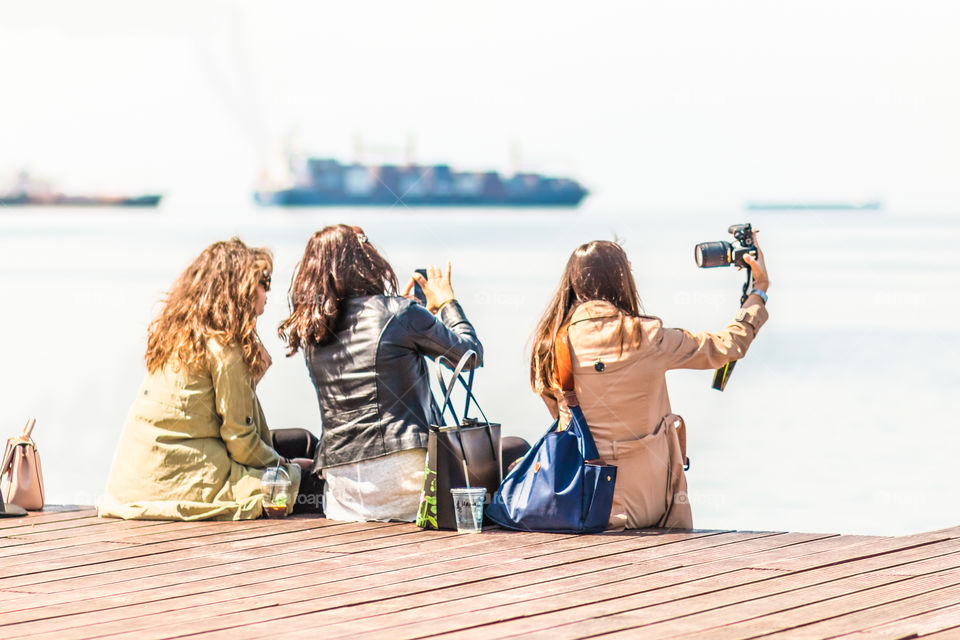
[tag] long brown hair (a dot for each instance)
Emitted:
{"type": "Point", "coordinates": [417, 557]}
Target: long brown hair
{"type": "Point", "coordinates": [597, 270]}
{"type": "Point", "coordinates": [215, 297]}
{"type": "Point", "coordinates": [338, 263]}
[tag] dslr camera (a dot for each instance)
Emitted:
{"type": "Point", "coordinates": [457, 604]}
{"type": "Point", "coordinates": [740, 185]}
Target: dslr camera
{"type": "Point", "coordinates": [723, 253]}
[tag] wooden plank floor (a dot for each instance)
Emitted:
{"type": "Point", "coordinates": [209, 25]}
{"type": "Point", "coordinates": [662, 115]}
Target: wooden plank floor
{"type": "Point", "coordinates": [66, 574]}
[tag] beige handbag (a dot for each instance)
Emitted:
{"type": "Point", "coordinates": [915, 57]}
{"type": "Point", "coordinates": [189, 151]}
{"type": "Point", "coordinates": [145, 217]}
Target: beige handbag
{"type": "Point", "coordinates": [22, 477]}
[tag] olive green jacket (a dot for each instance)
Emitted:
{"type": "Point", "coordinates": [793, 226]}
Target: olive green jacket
{"type": "Point", "coordinates": [194, 446]}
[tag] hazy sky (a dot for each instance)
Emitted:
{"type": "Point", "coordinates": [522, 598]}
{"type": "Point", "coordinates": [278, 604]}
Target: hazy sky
{"type": "Point", "coordinates": [651, 104]}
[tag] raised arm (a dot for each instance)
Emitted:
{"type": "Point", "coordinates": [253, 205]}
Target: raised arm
{"type": "Point", "coordinates": [682, 349]}
{"type": "Point", "coordinates": [447, 334]}
{"type": "Point", "coordinates": [441, 328]}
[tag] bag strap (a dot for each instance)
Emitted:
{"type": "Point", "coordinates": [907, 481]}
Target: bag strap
{"type": "Point", "coordinates": [28, 429]}
{"type": "Point", "coordinates": [7, 465]}
{"type": "Point", "coordinates": [457, 376]}
{"type": "Point", "coordinates": [563, 369]}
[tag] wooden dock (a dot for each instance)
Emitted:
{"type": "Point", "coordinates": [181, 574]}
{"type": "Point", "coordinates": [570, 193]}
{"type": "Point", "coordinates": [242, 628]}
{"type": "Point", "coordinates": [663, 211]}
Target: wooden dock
{"type": "Point", "coordinates": [68, 575]}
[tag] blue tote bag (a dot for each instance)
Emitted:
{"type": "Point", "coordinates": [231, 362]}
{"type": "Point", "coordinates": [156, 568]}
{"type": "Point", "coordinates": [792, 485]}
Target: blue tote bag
{"type": "Point", "coordinates": [561, 485]}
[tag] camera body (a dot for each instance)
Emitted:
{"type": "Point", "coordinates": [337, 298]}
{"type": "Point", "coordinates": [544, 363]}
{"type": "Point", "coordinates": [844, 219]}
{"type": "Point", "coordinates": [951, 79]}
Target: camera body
{"type": "Point", "coordinates": [725, 254]}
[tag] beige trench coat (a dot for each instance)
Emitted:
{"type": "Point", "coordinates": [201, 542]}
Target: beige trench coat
{"type": "Point", "coordinates": [625, 401]}
{"type": "Point", "coordinates": [194, 446]}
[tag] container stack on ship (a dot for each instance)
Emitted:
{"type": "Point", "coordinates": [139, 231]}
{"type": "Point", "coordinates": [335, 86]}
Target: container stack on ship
{"type": "Point", "coordinates": [327, 182]}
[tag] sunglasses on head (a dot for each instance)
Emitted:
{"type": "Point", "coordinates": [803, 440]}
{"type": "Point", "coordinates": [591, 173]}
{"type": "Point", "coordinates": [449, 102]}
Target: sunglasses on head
{"type": "Point", "coordinates": [265, 281]}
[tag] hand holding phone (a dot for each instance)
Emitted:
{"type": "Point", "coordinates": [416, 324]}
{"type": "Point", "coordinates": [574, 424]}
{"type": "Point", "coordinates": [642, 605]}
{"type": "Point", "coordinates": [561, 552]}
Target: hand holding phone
{"type": "Point", "coordinates": [430, 287]}
{"type": "Point", "coordinates": [418, 290]}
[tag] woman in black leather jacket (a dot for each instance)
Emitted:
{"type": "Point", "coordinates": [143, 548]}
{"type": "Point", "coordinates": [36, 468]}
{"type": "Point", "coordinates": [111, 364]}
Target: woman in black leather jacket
{"type": "Point", "coordinates": [364, 345]}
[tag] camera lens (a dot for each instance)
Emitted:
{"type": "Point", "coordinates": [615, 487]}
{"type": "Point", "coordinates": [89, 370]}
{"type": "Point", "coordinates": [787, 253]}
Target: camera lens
{"type": "Point", "coordinates": [712, 254]}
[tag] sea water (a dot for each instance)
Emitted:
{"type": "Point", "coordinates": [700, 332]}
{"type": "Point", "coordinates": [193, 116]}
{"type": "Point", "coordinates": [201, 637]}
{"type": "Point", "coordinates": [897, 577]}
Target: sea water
{"type": "Point", "coordinates": [842, 418]}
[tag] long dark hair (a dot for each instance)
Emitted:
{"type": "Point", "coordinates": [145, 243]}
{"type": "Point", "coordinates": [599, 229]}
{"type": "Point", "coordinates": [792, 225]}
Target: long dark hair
{"type": "Point", "coordinates": [597, 270]}
{"type": "Point", "coordinates": [338, 263]}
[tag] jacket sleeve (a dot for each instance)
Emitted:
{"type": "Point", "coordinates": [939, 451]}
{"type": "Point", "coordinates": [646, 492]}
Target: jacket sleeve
{"type": "Point", "coordinates": [236, 406]}
{"type": "Point", "coordinates": [447, 334]}
{"type": "Point", "coordinates": [682, 349]}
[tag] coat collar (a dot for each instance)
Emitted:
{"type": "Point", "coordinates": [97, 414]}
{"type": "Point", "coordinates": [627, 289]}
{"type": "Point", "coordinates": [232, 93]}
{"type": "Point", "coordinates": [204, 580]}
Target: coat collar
{"type": "Point", "coordinates": [594, 310]}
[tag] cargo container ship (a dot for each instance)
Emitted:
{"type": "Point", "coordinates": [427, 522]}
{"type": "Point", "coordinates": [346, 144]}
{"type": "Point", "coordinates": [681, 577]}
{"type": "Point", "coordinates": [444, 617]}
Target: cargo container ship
{"type": "Point", "coordinates": [328, 182]}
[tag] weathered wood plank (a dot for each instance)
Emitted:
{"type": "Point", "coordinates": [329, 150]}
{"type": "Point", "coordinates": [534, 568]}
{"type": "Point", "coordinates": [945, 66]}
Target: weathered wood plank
{"type": "Point", "coordinates": [34, 518]}
{"type": "Point", "coordinates": [860, 595]}
{"type": "Point", "coordinates": [406, 616]}
{"type": "Point", "coordinates": [55, 566]}
{"type": "Point", "coordinates": [172, 556]}
{"type": "Point", "coordinates": [905, 612]}
{"type": "Point", "coordinates": [59, 536]}
{"type": "Point", "coordinates": [68, 575]}
{"type": "Point", "coordinates": [944, 619]}
{"type": "Point", "coordinates": [736, 611]}
{"type": "Point", "coordinates": [277, 567]}
{"type": "Point", "coordinates": [615, 611]}
{"type": "Point", "coordinates": [390, 592]}
{"type": "Point", "coordinates": [350, 586]}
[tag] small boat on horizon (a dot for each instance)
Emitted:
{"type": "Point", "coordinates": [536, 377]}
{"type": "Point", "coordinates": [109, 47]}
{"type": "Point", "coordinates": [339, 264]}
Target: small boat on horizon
{"type": "Point", "coordinates": [28, 191]}
{"type": "Point", "coordinates": [821, 205]}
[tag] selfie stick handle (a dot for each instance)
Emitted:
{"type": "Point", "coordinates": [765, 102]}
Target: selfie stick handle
{"type": "Point", "coordinates": [722, 375]}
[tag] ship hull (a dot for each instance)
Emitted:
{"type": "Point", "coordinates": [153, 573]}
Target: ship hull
{"type": "Point", "coordinates": [814, 206]}
{"type": "Point", "coordinates": [311, 198]}
{"type": "Point", "coordinates": [80, 201]}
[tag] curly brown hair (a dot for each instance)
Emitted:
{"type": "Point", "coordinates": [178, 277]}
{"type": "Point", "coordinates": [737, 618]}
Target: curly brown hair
{"type": "Point", "coordinates": [338, 263]}
{"type": "Point", "coordinates": [215, 297]}
{"type": "Point", "coordinates": [597, 270]}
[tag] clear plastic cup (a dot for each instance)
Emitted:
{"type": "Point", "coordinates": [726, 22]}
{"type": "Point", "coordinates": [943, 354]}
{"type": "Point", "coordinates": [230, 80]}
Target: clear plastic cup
{"type": "Point", "coordinates": [276, 492]}
{"type": "Point", "coordinates": [468, 506]}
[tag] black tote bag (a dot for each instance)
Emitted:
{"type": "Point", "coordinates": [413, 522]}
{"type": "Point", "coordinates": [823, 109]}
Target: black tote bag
{"type": "Point", "coordinates": [470, 447]}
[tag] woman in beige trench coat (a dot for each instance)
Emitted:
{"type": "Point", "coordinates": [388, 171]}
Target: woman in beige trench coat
{"type": "Point", "coordinates": [195, 443]}
{"type": "Point", "coordinates": [619, 359]}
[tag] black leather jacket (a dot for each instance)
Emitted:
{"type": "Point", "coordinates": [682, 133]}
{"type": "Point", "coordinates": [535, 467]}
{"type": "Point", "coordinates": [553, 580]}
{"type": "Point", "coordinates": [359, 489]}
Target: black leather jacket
{"type": "Point", "coordinates": [372, 380]}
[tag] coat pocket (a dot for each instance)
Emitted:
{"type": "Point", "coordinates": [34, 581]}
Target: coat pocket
{"type": "Point", "coordinates": [643, 475]}
{"type": "Point", "coordinates": [651, 487]}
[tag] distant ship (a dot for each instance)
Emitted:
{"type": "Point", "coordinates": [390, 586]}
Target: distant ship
{"type": "Point", "coordinates": [327, 182]}
{"type": "Point", "coordinates": [867, 205]}
{"type": "Point", "coordinates": [62, 200]}
{"type": "Point", "coordinates": [27, 191]}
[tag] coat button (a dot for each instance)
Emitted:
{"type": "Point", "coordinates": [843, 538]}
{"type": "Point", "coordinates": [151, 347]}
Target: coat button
{"type": "Point", "coordinates": [249, 420]}
{"type": "Point", "coordinates": [598, 366]}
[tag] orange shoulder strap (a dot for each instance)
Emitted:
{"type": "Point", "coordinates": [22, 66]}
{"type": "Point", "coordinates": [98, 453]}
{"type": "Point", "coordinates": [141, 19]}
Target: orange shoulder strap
{"type": "Point", "coordinates": [563, 366]}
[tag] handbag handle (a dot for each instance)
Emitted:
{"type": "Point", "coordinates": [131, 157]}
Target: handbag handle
{"type": "Point", "coordinates": [28, 429]}
{"type": "Point", "coordinates": [7, 464]}
{"type": "Point", "coordinates": [563, 369]}
{"type": "Point", "coordinates": [447, 404]}
{"type": "Point", "coordinates": [467, 385]}
{"type": "Point", "coordinates": [448, 388]}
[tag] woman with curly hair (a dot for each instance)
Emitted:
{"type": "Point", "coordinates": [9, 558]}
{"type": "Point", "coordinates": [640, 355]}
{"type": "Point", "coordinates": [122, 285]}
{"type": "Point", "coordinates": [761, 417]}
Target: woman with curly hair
{"type": "Point", "coordinates": [195, 443]}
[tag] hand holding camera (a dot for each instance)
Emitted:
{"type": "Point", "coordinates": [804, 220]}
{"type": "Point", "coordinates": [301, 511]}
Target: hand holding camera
{"type": "Point", "coordinates": [759, 267]}
{"type": "Point", "coordinates": [743, 252]}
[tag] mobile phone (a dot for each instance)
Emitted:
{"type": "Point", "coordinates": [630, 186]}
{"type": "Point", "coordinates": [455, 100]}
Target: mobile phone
{"type": "Point", "coordinates": [418, 290]}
